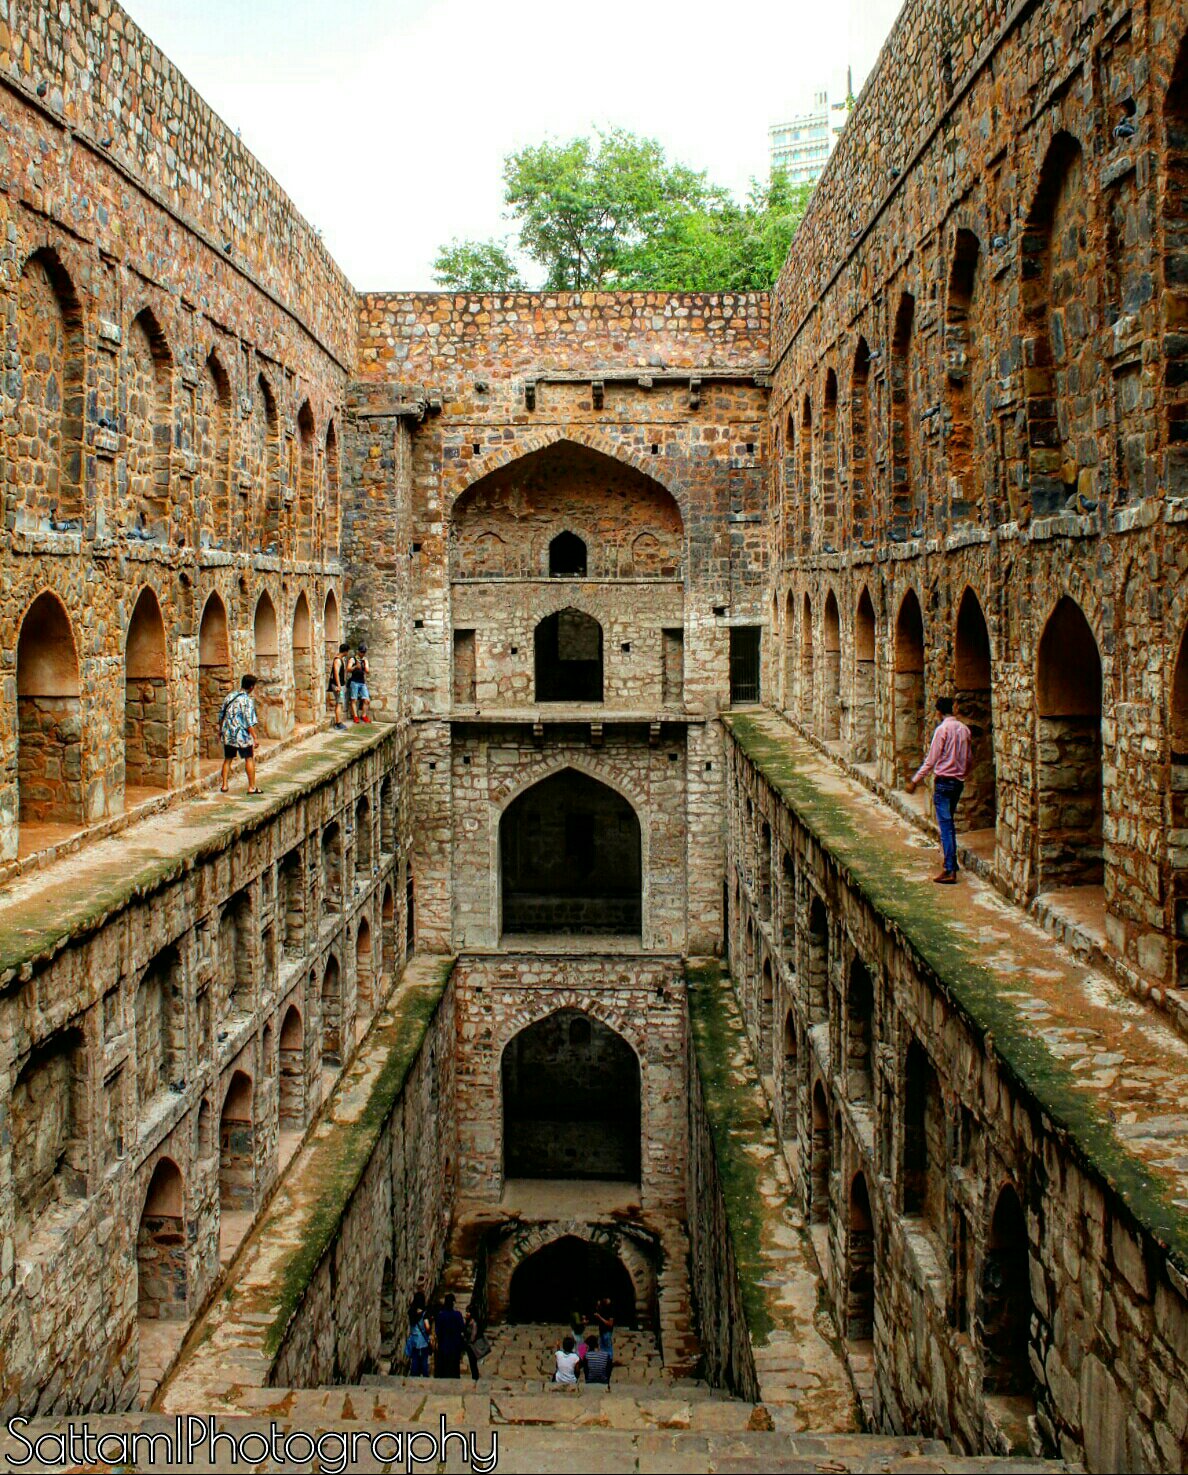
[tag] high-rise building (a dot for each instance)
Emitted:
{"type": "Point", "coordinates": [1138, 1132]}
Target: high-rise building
{"type": "Point", "coordinates": [801, 145]}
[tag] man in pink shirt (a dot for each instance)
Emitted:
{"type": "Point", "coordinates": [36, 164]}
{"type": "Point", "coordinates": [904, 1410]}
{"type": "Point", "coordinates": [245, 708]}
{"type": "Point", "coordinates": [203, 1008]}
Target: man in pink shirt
{"type": "Point", "coordinates": [949, 762]}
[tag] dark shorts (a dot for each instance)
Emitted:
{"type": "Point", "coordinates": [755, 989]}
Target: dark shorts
{"type": "Point", "coordinates": [230, 751]}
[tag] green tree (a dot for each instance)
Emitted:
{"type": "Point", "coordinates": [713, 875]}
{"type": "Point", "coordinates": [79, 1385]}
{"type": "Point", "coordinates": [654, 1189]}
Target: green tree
{"type": "Point", "coordinates": [615, 214]}
{"type": "Point", "coordinates": [476, 266]}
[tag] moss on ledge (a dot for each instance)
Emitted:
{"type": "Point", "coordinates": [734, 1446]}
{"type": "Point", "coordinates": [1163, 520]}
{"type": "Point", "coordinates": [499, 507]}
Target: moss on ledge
{"type": "Point", "coordinates": [74, 897]}
{"type": "Point", "coordinates": [952, 960]}
{"type": "Point", "coordinates": [342, 1150]}
{"type": "Point", "coordinates": [737, 1113]}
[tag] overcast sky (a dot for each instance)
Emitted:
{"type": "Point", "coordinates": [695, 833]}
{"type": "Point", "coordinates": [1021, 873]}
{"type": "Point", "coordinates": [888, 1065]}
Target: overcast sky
{"type": "Point", "coordinates": [387, 120]}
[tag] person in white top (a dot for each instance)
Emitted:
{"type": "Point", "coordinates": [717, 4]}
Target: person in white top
{"type": "Point", "coordinates": [567, 1361]}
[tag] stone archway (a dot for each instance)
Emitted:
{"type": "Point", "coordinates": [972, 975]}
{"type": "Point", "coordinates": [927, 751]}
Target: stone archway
{"type": "Point", "coordinates": [570, 1272]}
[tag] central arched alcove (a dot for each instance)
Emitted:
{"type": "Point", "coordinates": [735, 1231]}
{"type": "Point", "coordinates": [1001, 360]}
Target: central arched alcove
{"type": "Point", "coordinates": [567, 1274]}
{"type": "Point", "coordinates": [570, 859]}
{"type": "Point", "coordinates": [571, 1101]}
{"type": "Point", "coordinates": [568, 648]}
{"type": "Point", "coordinates": [510, 521]}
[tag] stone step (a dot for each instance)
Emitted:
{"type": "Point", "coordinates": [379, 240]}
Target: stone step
{"type": "Point", "coordinates": [687, 1390]}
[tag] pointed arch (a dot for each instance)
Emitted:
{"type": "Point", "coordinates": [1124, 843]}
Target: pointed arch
{"type": "Point", "coordinates": [806, 474]}
{"type": "Point", "coordinates": [860, 1264]}
{"type": "Point", "coordinates": [161, 1247]}
{"type": "Point", "coordinates": [364, 971]}
{"type": "Point", "coordinates": [264, 466]}
{"type": "Point", "coordinates": [973, 690]}
{"type": "Point", "coordinates": [214, 673]}
{"type": "Point", "coordinates": [862, 518]}
{"type": "Point", "coordinates": [304, 508]}
{"type": "Point", "coordinates": [333, 1047]}
{"type": "Point", "coordinates": [908, 690]}
{"type": "Point", "coordinates": [222, 526]}
{"type": "Point", "coordinates": [791, 652]}
{"type": "Point", "coordinates": [49, 716]}
{"type": "Point", "coordinates": [1056, 268]}
{"type": "Point", "coordinates": [301, 644]}
{"type": "Point", "coordinates": [904, 502]}
{"type": "Point", "coordinates": [148, 416]}
{"type": "Point", "coordinates": [1006, 1306]}
{"type": "Point", "coordinates": [820, 1157]}
{"type": "Point", "coordinates": [333, 531]}
{"type": "Point", "coordinates": [807, 693]}
{"type": "Point", "coordinates": [146, 697]}
{"type": "Point", "coordinates": [1069, 751]}
{"type": "Point", "coordinates": [963, 451]}
{"type": "Point", "coordinates": [829, 464]}
{"type": "Point", "coordinates": [269, 693]}
{"type": "Point", "coordinates": [44, 458]}
{"type": "Point", "coordinates": [831, 650]}
{"type": "Point", "coordinates": [862, 708]}
{"type": "Point", "coordinates": [237, 1146]}
{"type": "Point", "coordinates": [291, 1058]}
{"type": "Point", "coordinates": [568, 657]}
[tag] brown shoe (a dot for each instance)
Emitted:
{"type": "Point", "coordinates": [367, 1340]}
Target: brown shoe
{"type": "Point", "coordinates": [946, 878]}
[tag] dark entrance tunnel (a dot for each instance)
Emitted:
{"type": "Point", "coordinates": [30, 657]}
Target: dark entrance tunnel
{"type": "Point", "coordinates": [570, 858]}
{"type": "Point", "coordinates": [571, 1275]}
{"type": "Point", "coordinates": [571, 1101]}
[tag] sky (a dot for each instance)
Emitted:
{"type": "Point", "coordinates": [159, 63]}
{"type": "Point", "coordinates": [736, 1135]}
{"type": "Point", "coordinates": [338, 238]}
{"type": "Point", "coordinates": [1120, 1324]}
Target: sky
{"type": "Point", "coordinates": [387, 121]}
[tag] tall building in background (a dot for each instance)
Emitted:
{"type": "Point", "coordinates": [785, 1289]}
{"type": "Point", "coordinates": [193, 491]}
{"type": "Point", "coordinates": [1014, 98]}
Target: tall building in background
{"type": "Point", "coordinates": [801, 145]}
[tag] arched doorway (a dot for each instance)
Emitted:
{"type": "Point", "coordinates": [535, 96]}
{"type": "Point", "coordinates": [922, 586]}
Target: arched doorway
{"type": "Point", "coordinates": [214, 674]}
{"type": "Point", "coordinates": [1006, 1301]}
{"type": "Point", "coordinates": [570, 857]}
{"type": "Point", "coordinates": [161, 1247]}
{"type": "Point", "coordinates": [332, 1013]}
{"type": "Point", "coordinates": [292, 1071]}
{"type": "Point", "coordinates": [972, 689]}
{"type": "Point", "coordinates": [146, 700]}
{"type": "Point", "coordinates": [791, 652]}
{"type": "Point", "coordinates": [831, 641]}
{"type": "Point", "coordinates": [807, 694]}
{"type": "Point", "coordinates": [1068, 751]}
{"type": "Point", "coordinates": [909, 688]}
{"type": "Point", "coordinates": [49, 717]}
{"type": "Point", "coordinates": [862, 710]}
{"type": "Point", "coordinates": [303, 679]}
{"type": "Point", "coordinates": [566, 1274]}
{"type": "Point", "coordinates": [363, 971]}
{"type": "Point", "coordinates": [568, 648]}
{"type": "Point", "coordinates": [237, 1146]}
{"type": "Point", "coordinates": [571, 1101]}
{"type": "Point", "coordinates": [789, 1092]}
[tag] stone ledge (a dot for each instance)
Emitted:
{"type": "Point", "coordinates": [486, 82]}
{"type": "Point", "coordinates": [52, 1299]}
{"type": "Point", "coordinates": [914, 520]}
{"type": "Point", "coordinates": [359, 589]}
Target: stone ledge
{"type": "Point", "coordinates": [76, 895]}
{"type": "Point", "coordinates": [866, 842]}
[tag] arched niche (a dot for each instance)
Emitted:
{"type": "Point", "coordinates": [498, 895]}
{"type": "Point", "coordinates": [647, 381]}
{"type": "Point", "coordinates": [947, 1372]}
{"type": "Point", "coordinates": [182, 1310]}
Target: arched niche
{"type": "Point", "coordinates": [49, 716]}
{"type": "Point", "coordinates": [146, 697]}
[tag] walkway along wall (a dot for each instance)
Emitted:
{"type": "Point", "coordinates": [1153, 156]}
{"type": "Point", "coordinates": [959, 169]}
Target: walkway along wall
{"type": "Point", "coordinates": [977, 1132]}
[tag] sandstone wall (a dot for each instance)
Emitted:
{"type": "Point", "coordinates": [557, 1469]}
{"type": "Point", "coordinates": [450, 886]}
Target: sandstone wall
{"type": "Point", "coordinates": [992, 1282]}
{"type": "Point", "coordinates": [181, 1023]}
{"type": "Point", "coordinates": [977, 345]}
{"type": "Point", "coordinates": [178, 344]}
{"type": "Point", "coordinates": [390, 1239]}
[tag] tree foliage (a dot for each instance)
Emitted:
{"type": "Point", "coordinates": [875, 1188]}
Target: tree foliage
{"type": "Point", "coordinates": [616, 215]}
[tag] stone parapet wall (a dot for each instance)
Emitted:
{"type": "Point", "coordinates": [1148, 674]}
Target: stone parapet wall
{"type": "Point", "coordinates": [1005, 1264]}
{"type": "Point", "coordinates": [161, 1023]}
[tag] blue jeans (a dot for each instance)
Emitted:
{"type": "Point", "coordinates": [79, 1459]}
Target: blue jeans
{"type": "Point", "coordinates": [418, 1363]}
{"type": "Point", "coordinates": [945, 794]}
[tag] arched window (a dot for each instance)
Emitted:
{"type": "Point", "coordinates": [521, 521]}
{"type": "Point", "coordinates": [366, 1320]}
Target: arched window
{"type": "Point", "coordinates": [148, 416]}
{"type": "Point", "coordinates": [973, 691]}
{"type": "Point", "coordinates": [161, 1246]}
{"type": "Point", "coordinates": [1006, 1302]}
{"type": "Point", "coordinates": [567, 557]}
{"type": "Point", "coordinates": [570, 855]}
{"type": "Point", "coordinates": [908, 691]}
{"type": "Point", "coordinates": [220, 526]}
{"type": "Point", "coordinates": [49, 718]}
{"type": "Point", "coordinates": [862, 519]}
{"type": "Point", "coordinates": [1069, 767]}
{"type": "Point", "coordinates": [862, 709]}
{"type": "Point", "coordinates": [237, 1147]}
{"type": "Point", "coordinates": [1057, 268]}
{"type": "Point", "coordinates": [292, 1071]}
{"type": "Point", "coordinates": [807, 692]}
{"type": "Point", "coordinates": [568, 648]}
{"type": "Point", "coordinates": [303, 674]}
{"type": "Point", "coordinates": [44, 458]}
{"type": "Point", "coordinates": [860, 1276]}
{"type": "Point", "coordinates": [146, 700]}
{"type": "Point", "coordinates": [828, 525]}
{"type": "Point", "coordinates": [964, 449]}
{"type": "Point", "coordinates": [831, 643]}
{"type": "Point", "coordinates": [304, 510]}
{"type": "Point", "coordinates": [904, 509]}
{"type": "Point", "coordinates": [214, 674]}
{"type": "Point", "coordinates": [571, 1104]}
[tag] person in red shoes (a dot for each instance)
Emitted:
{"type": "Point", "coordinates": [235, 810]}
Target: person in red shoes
{"type": "Point", "coordinates": [358, 690]}
{"type": "Point", "coordinates": [949, 762]}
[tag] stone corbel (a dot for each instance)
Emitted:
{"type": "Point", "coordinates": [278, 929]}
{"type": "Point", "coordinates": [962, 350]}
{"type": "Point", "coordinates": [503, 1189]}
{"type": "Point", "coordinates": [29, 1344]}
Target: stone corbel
{"type": "Point", "coordinates": [110, 335]}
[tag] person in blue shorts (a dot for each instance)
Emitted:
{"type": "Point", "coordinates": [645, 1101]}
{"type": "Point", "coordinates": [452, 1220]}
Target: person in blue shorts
{"type": "Point", "coordinates": [357, 688]}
